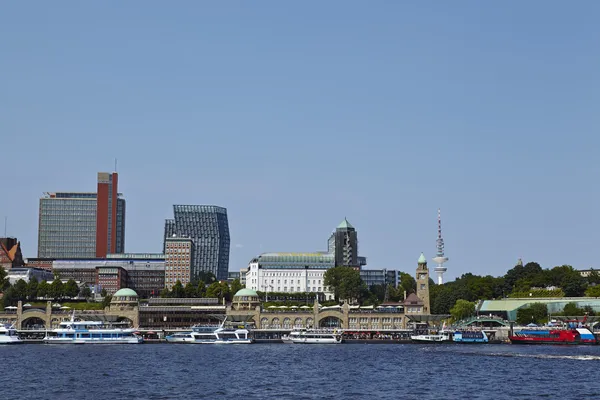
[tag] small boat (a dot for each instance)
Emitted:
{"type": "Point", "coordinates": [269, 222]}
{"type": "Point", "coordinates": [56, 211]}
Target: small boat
{"type": "Point", "coordinates": [431, 338]}
{"type": "Point", "coordinates": [8, 335]}
{"type": "Point", "coordinates": [314, 336]}
{"type": "Point", "coordinates": [85, 332]}
{"type": "Point", "coordinates": [470, 336]}
{"type": "Point", "coordinates": [211, 334]}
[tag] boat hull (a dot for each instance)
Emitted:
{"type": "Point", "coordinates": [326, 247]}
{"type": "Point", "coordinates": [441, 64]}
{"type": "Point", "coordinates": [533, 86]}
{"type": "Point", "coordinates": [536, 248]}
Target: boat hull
{"type": "Point", "coordinates": [93, 341]}
{"type": "Point", "coordinates": [207, 341]}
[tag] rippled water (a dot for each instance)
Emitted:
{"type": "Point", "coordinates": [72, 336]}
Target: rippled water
{"type": "Point", "coordinates": [259, 371]}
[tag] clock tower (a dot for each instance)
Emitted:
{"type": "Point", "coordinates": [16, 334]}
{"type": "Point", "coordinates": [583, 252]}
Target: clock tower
{"type": "Point", "coordinates": [422, 279]}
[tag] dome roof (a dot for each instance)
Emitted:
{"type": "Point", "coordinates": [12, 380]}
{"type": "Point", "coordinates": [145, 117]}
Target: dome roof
{"type": "Point", "coordinates": [422, 259]}
{"type": "Point", "coordinates": [125, 293]}
{"type": "Point", "coordinates": [246, 292]}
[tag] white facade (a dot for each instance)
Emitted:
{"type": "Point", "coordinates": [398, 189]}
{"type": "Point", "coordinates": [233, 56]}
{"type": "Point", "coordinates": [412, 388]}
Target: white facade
{"type": "Point", "coordinates": [286, 276]}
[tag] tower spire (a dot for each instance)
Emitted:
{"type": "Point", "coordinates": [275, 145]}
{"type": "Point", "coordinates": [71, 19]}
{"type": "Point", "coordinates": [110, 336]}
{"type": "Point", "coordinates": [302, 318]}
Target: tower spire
{"type": "Point", "coordinates": [440, 258]}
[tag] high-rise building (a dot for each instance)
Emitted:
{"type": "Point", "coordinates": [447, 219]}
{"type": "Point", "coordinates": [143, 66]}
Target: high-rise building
{"type": "Point", "coordinates": [343, 243]}
{"type": "Point", "coordinates": [207, 227]}
{"type": "Point", "coordinates": [82, 224]}
{"type": "Point", "coordinates": [179, 254]}
{"type": "Point", "coordinates": [110, 216]}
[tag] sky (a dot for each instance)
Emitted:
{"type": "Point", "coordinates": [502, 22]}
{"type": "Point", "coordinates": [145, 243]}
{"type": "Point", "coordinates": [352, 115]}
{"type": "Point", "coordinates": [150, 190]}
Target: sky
{"type": "Point", "coordinates": [296, 115]}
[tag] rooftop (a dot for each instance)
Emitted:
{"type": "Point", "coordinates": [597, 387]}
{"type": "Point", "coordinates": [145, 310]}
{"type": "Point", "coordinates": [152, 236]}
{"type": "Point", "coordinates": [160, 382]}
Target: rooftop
{"type": "Point", "coordinates": [345, 224]}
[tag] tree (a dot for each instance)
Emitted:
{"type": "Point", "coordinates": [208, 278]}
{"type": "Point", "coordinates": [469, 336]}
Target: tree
{"type": "Point", "coordinates": [86, 292]}
{"type": "Point", "coordinates": [208, 277]}
{"type": "Point", "coordinates": [43, 289]}
{"type": "Point", "coordinates": [20, 288]}
{"type": "Point", "coordinates": [178, 291]}
{"type": "Point", "coordinates": [573, 284]}
{"type": "Point", "coordinates": [535, 313]}
{"type": "Point", "coordinates": [593, 278]}
{"type": "Point", "coordinates": [201, 289]}
{"type": "Point", "coordinates": [593, 291]}
{"type": "Point", "coordinates": [345, 283]}
{"type": "Point", "coordinates": [32, 288]}
{"type": "Point", "coordinates": [56, 289]}
{"type": "Point", "coordinates": [106, 301]}
{"type": "Point", "coordinates": [103, 292]}
{"type": "Point", "coordinates": [571, 309]}
{"type": "Point", "coordinates": [4, 283]}
{"type": "Point", "coordinates": [190, 290]}
{"type": "Point", "coordinates": [407, 283]}
{"type": "Point", "coordinates": [218, 290]}
{"type": "Point", "coordinates": [462, 309]}
{"type": "Point", "coordinates": [236, 286]}
{"type": "Point", "coordinates": [70, 289]}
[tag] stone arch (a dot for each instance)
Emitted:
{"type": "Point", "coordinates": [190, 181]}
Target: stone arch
{"type": "Point", "coordinates": [310, 323]}
{"type": "Point", "coordinates": [55, 322]}
{"type": "Point", "coordinates": [125, 319]}
{"type": "Point", "coordinates": [33, 322]}
{"type": "Point", "coordinates": [264, 323]}
{"type": "Point", "coordinates": [331, 321]}
{"type": "Point", "coordinates": [275, 324]}
{"type": "Point", "coordinates": [287, 323]}
{"type": "Point", "coordinates": [298, 323]}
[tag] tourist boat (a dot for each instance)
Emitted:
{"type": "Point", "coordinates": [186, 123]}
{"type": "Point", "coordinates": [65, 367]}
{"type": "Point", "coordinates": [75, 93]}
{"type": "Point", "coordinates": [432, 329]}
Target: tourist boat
{"type": "Point", "coordinates": [82, 332]}
{"type": "Point", "coordinates": [470, 336]}
{"type": "Point", "coordinates": [212, 334]}
{"type": "Point", "coordinates": [313, 336]}
{"type": "Point", "coordinates": [574, 332]}
{"type": "Point", "coordinates": [431, 338]}
{"type": "Point", "coordinates": [8, 335]}
{"type": "Point", "coordinates": [554, 336]}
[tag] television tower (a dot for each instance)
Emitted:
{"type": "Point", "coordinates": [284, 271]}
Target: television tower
{"type": "Point", "coordinates": [439, 258]}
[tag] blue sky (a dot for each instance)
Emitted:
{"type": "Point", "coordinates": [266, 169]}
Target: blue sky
{"type": "Point", "coordinates": [294, 116]}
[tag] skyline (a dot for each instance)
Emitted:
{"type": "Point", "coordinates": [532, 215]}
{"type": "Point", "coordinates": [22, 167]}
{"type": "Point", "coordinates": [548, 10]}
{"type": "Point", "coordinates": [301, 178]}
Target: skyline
{"type": "Point", "coordinates": [292, 119]}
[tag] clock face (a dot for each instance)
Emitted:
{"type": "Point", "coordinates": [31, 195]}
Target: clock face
{"type": "Point", "coordinates": [422, 276]}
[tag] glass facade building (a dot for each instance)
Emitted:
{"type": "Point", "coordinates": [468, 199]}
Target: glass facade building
{"type": "Point", "coordinates": [208, 228]}
{"type": "Point", "coordinates": [83, 225]}
{"type": "Point", "coordinates": [67, 225]}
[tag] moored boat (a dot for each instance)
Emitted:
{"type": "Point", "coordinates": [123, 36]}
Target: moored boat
{"type": "Point", "coordinates": [211, 334]}
{"type": "Point", "coordinates": [470, 336]}
{"type": "Point", "coordinates": [8, 335]}
{"type": "Point", "coordinates": [96, 332]}
{"type": "Point", "coordinates": [431, 338]}
{"type": "Point", "coordinates": [554, 336]}
{"type": "Point", "coordinates": [314, 336]}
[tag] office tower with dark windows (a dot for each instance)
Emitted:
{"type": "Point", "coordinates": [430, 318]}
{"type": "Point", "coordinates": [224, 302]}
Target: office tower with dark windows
{"type": "Point", "coordinates": [208, 229]}
{"type": "Point", "coordinates": [82, 224]}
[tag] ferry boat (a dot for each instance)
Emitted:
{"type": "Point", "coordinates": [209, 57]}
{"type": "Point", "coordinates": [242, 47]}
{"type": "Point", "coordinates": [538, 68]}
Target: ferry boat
{"type": "Point", "coordinates": [212, 334]}
{"type": "Point", "coordinates": [574, 332]}
{"type": "Point", "coordinates": [554, 336]}
{"type": "Point", "coordinates": [313, 336]}
{"type": "Point", "coordinates": [82, 332]}
{"type": "Point", "coordinates": [470, 336]}
{"type": "Point", "coordinates": [8, 335]}
{"type": "Point", "coordinates": [431, 338]}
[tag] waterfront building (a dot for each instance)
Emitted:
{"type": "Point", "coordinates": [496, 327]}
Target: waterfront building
{"type": "Point", "coordinates": [173, 313]}
{"type": "Point", "coordinates": [208, 228]}
{"type": "Point", "coordinates": [508, 308]}
{"type": "Point", "coordinates": [179, 254]}
{"type": "Point", "coordinates": [10, 253]}
{"type": "Point", "coordinates": [143, 272]}
{"type": "Point", "coordinates": [372, 277]}
{"type": "Point", "coordinates": [82, 224]}
{"type": "Point", "coordinates": [290, 272]}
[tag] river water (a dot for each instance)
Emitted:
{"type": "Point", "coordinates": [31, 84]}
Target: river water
{"type": "Point", "coordinates": [279, 371]}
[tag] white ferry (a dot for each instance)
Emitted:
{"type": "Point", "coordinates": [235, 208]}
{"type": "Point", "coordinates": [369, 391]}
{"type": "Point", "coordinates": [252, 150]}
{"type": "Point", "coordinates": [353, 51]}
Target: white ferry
{"type": "Point", "coordinates": [8, 335]}
{"type": "Point", "coordinates": [313, 336]}
{"type": "Point", "coordinates": [214, 334]}
{"type": "Point", "coordinates": [432, 338]}
{"type": "Point", "coordinates": [81, 332]}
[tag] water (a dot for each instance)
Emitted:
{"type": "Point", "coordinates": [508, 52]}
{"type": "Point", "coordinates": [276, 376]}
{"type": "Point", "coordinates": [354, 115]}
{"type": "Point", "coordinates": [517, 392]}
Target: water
{"type": "Point", "coordinates": [277, 371]}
